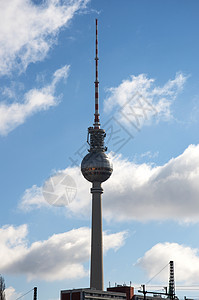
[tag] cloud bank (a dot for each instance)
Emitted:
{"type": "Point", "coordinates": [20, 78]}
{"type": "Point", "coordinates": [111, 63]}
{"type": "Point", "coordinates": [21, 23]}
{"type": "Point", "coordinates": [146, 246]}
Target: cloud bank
{"type": "Point", "coordinates": [35, 100]}
{"type": "Point", "coordinates": [61, 256]}
{"type": "Point", "coordinates": [186, 262]}
{"type": "Point", "coordinates": [140, 192]}
{"type": "Point", "coordinates": [138, 100]}
{"type": "Point", "coordinates": [28, 31]}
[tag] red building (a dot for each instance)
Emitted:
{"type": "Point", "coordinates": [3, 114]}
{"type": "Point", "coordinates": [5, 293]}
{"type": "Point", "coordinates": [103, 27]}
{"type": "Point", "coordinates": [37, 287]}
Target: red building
{"type": "Point", "coordinates": [128, 290]}
{"type": "Point", "coordinates": [91, 294]}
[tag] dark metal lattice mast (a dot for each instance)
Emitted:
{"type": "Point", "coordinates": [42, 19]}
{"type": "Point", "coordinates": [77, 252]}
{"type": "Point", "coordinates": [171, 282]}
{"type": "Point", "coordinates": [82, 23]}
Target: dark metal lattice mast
{"type": "Point", "coordinates": [171, 281]}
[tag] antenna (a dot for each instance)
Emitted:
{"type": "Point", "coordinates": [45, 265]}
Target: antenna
{"type": "Point", "coordinates": [96, 121]}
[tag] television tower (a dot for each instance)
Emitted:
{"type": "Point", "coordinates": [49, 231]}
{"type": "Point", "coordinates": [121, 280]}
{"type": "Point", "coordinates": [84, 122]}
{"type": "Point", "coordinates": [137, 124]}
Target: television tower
{"type": "Point", "coordinates": [96, 168]}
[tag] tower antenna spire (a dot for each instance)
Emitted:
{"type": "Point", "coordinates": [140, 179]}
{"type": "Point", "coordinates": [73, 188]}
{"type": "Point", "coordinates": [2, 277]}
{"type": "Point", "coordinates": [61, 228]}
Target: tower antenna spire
{"type": "Point", "coordinates": [96, 121]}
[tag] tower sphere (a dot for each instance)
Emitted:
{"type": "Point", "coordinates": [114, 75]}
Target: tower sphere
{"type": "Point", "coordinates": [96, 167]}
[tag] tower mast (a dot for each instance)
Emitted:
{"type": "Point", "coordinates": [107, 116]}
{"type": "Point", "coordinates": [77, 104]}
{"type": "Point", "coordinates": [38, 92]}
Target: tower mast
{"type": "Point", "coordinates": [96, 121]}
{"type": "Point", "coordinates": [96, 168]}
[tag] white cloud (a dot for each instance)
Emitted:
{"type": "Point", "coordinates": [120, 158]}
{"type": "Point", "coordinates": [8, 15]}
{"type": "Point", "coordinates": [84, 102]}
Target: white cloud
{"type": "Point", "coordinates": [61, 256]}
{"type": "Point", "coordinates": [11, 293]}
{"type": "Point", "coordinates": [32, 198]}
{"type": "Point", "coordinates": [139, 100]}
{"type": "Point", "coordinates": [145, 192]}
{"type": "Point", "coordinates": [141, 192]}
{"type": "Point", "coordinates": [186, 262]}
{"type": "Point", "coordinates": [35, 100]}
{"type": "Point", "coordinates": [28, 31]}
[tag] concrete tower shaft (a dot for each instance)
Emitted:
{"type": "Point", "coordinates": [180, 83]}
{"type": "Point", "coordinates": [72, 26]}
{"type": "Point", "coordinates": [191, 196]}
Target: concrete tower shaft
{"type": "Point", "coordinates": [96, 168]}
{"type": "Point", "coordinates": [96, 277]}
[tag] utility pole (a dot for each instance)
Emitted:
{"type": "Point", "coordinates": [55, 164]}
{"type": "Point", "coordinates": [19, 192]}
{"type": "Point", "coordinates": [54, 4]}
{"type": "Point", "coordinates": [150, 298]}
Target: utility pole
{"type": "Point", "coordinates": [171, 292]}
{"type": "Point", "coordinates": [144, 292]}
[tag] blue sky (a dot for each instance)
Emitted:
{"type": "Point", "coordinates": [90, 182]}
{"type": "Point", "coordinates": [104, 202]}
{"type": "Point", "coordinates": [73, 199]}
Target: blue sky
{"type": "Point", "coordinates": [149, 106]}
